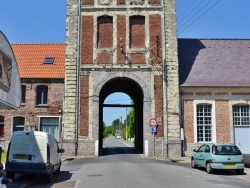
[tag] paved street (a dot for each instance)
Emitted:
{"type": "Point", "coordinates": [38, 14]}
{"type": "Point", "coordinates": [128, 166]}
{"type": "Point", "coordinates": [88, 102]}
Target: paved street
{"type": "Point", "coordinates": [120, 167]}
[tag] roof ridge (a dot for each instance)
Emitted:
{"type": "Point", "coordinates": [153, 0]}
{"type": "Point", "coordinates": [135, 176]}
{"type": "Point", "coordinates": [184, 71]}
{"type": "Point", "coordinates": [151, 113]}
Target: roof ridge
{"type": "Point", "coordinates": [214, 38]}
{"type": "Point", "coordinates": [54, 43]}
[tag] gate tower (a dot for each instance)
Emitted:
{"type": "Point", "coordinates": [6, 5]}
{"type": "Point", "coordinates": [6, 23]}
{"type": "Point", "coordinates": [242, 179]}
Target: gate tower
{"type": "Point", "coordinates": [125, 46]}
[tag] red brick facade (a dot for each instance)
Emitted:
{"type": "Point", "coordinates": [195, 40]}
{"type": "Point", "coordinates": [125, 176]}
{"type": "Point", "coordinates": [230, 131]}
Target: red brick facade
{"type": "Point", "coordinates": [32, 112]}
{"type": "Point", "coordinates": [84, 106]}
{"type": "Point", "coordinates": [158, 92]}
{"type": "Point", "coordinates": [222, 121]}
{"type": "Point", "coordinates": [87, 40]}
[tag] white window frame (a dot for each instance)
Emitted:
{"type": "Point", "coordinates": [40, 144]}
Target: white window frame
{"type": "Point", "coordinates": [211, 102]}
{"type": "Point", "coordinates": [59, 124]}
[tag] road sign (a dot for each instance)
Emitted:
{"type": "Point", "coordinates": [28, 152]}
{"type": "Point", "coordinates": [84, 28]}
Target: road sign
{"type": "Point", "coordinates": [153, 129]}
{"type": "Point", "coordinates": [152, 122]}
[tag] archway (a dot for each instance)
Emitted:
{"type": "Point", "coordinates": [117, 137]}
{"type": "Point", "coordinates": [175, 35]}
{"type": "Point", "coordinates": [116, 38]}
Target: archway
{"type": "Point", "coordinates": [131, 88]}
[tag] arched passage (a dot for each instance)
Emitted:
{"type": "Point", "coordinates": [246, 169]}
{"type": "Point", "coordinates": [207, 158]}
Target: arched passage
{"type": "Point", "coordinates": [131, 88]}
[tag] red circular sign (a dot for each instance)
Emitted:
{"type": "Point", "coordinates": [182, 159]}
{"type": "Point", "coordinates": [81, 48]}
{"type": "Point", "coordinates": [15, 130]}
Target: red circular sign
{"type": "Point", "coordinates": [152, 122]}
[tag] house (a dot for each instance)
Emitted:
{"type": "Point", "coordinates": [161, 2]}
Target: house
{"type": "Point", "coordinates": [41, 69]}
{"type": "Point", "coordinates": [215, 92]}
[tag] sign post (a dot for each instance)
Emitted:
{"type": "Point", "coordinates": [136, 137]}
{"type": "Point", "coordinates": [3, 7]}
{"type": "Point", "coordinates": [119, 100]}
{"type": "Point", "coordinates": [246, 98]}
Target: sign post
{"type": "Point", "coordinates": [153, 124]}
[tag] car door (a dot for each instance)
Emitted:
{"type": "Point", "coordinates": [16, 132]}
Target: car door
{"type": "Point", "coordinates": [205, 155]}
{"type": "Point", "coordinates": [198, 155]}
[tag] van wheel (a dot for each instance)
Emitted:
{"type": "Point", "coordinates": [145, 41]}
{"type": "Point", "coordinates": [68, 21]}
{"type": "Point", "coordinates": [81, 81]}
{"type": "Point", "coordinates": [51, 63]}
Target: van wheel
{"type": "Point", "coordinates": [59, 169]}
{"type": "Point", "coordinates": [10, 175]}
{"type": "Point", "coordinates": [49, 177]}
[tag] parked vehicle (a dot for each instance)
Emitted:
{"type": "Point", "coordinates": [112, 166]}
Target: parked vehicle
{"type": "Point", "coordinates": [33, 152]}
{"type": "Point", "coordinates": [214, 156]}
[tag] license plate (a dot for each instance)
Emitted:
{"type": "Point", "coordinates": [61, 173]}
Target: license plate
{"type": "Point", "coordinates": [20, 156]}
{"type": "Point", "coordinates": [229, 165]}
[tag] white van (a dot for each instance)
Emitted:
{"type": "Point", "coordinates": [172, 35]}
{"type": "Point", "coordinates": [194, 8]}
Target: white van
{"type": "Point", "coordinates": [33, 152]}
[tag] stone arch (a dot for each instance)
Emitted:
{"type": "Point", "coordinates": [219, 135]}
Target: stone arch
{"type": "Point", "coordinates": [137, 89]}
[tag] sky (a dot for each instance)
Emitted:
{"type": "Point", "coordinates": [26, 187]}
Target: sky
{"type": "Point", "coordinates": [30, 21]}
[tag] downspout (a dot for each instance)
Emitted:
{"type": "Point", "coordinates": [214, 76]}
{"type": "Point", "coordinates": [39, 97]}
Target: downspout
{"type": "Point", "coordinates": [165, 72]}
{"type": "Point", "coordinates": [78, 72]}
{"type": "Point", "coordinates": [182, 124]}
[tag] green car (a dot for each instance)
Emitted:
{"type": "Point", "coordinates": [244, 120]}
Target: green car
{"type": "Point", "coordinates": [214, 156]}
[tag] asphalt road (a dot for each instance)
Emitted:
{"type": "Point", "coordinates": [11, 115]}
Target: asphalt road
{"type": "Point", "coordinates": [121, 167]}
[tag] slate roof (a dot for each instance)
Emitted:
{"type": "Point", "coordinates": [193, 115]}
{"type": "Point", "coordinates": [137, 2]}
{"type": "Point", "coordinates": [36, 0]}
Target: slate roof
{"type": "Point", "coordinates": [30, 60]}
{"type": "Point", "coordinates": [214, 63]}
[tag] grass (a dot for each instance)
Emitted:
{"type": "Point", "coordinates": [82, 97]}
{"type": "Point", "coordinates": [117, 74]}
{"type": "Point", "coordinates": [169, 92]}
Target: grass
{"type": "Point", "coordinates": [4, 155]}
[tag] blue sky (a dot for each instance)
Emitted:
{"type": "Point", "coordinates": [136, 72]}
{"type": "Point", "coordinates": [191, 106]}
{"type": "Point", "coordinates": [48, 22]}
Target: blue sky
{"type": "Point", "coordinates": [31, 21]}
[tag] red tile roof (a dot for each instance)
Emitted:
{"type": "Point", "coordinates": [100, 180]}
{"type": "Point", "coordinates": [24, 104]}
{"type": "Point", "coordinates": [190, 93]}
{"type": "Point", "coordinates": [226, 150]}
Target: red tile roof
{"type": "Point", "coordinates": [30, 60]}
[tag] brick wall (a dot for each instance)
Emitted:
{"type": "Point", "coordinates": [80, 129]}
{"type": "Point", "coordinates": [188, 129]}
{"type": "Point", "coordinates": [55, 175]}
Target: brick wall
{"type": "Point", "coordinates": [158, 93]}
{"type": "Point", "coordinates": [30, 111]}
{"type": "Point", "coordinates": [84, 106]}
{"type": "Point", "coordinates": [87, 40]}
{"type": "Point", "coordinates": [155, 38]}
{"type": "Point", "coordinates": [188, 121]}
{"type": "Point", "coordinates": [223, 132]}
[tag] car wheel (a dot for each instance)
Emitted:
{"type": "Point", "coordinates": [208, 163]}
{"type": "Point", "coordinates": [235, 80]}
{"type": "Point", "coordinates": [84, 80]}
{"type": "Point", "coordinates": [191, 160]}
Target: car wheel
{"type": "Point", "coordinates": [240, 171]}
{"type": "Point", "coordinates": [193, 163]}
{"type": "Point", "coordinates": [10, 175]}
{"type": "Point", "coordinates": [209, 168]}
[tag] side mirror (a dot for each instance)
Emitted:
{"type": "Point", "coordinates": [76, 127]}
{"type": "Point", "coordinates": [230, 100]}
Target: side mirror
{"type": "Point", "coordinates": [194, 150]}
{"type": "Point", "coordinates": [61, 150]}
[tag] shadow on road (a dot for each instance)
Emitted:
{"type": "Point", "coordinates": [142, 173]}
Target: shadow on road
{"type": "Point", "coordinates": [117, 150]}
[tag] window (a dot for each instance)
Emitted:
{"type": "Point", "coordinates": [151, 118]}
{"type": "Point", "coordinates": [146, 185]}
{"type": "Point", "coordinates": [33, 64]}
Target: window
{"type": "Point", "coordinates": [18, 123]}
{"type": "Point", "coordinates": [23, 94]}
{"type": "Point", "coordinates": [105, 32]}
{"type": "Point", "coordinates": [49, 60]}
{"type": "Point", "coordinates": [241, 115]}
{"type": "Point", "coordinates": [1, 126]}
{"type": "Point", "coordinates": [204, 122]}
{"type": "Point", "coordinates": [42, 95]}
{"type": "Point", "coordinates": [50, 125]}
{"type": "Point", "coordinates": [137, 32]}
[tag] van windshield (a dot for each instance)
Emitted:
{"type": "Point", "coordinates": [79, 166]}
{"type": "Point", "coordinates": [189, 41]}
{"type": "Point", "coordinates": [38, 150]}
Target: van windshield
{"type": "Point", "coordinates": [22, 142]}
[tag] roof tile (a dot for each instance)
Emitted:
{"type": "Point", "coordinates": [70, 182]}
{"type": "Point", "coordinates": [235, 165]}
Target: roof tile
{"type": "Point", "coordinates": [30, 58]}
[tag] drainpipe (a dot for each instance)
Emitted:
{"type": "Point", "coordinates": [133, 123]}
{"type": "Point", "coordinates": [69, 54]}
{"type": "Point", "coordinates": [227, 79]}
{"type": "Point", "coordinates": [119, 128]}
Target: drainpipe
{"type": "Point", "coordinates": [78, 72]}
{"type": "Point", "coordinates": [182, 124]}
{"type": "Point", "coordinates": [165, 72]}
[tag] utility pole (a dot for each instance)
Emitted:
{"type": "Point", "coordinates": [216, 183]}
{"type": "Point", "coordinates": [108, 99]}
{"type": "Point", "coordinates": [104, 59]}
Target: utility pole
{"type": "Point", "coordinates": [126, 125]}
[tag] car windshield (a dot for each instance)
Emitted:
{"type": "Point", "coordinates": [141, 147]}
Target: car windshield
{"type": "Point", "coordinates": [226, 150]}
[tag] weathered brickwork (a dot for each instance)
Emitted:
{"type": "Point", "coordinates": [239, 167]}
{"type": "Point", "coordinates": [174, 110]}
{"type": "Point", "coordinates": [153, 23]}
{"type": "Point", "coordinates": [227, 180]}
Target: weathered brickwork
{"type": "Point", "coordinates": [155, 38]}
{"type": "Point", "coordinates": [127, 44]}
{"type": "Point", "coordinates": [84, 106]}
{"type": "Point", "coordinates": [222, 121]}
{"type": "Point", "coordinates": [87, 39]}
{"type": "Point", "coordinates": [158, 93]}
{"type": "Point", "coordinates": [32, 112]}
{"type": "Point", "coordinates": [121, 38]}
{"type": "Point", "coordinates": [188, 108]}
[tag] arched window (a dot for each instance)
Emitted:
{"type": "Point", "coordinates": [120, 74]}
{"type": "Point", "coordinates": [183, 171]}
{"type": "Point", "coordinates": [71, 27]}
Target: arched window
{"type": "Point", "coordinates": [42, 95]}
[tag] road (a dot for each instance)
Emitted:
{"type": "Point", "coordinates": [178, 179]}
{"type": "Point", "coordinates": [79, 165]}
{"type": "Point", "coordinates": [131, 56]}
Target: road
{"type": "Point", "coordinates": [121, 167]}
